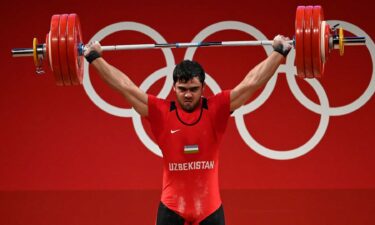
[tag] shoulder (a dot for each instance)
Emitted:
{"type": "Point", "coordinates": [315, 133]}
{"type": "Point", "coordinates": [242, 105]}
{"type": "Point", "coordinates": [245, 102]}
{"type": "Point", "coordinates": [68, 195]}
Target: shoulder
{"type": "Point", "coordinates": [152, 99]}
{"type": "Point", "coordinates": [155, 103]}
{"type": "Point", "coordinates": [222, 97]}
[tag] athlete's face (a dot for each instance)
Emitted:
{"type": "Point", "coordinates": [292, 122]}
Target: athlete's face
{"type": "Point", "coordinates": [189, 93]}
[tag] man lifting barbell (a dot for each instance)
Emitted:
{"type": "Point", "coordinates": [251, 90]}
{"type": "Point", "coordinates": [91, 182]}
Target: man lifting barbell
{"type": "Point", "coordinates": [188, 131]}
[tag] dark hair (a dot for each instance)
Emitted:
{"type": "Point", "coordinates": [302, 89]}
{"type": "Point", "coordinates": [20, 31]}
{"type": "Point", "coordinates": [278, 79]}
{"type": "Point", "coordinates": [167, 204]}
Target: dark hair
{"type": "Point", "coordinates": [187, 70]}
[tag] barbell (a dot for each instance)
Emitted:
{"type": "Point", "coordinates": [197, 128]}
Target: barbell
{"type": "Point", "coordinates": [63, 49]}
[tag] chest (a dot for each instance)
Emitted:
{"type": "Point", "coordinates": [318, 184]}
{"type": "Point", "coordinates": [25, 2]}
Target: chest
{"type": "Point", "coordinates": [185, 137]}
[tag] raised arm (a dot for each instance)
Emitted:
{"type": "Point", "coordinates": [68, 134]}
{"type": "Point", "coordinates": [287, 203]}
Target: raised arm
{"type": "Point", "coordinates": [260, 74]}
{"type": "Point", "coordinates": [117, 79]}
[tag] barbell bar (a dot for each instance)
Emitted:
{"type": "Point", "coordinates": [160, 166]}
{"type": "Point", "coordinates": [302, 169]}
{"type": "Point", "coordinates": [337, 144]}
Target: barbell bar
{"type": "Point", "coordinates": [63, 49]}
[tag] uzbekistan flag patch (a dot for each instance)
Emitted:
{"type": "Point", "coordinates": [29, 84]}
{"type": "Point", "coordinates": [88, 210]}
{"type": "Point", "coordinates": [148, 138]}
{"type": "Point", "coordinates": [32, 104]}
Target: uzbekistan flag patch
{"type": "Point", "coordinates": [190, 149]}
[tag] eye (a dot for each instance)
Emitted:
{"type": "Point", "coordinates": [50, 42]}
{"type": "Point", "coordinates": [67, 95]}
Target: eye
{"type": "Point", "coordinates": [194, 89]}
{"type": "Point", "coordinates": [182, 89]}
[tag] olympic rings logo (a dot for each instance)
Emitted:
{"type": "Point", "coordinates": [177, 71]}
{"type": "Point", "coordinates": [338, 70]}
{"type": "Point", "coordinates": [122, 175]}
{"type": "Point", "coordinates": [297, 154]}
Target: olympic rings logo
{"type": "Point", "coordinates": [289, 69]}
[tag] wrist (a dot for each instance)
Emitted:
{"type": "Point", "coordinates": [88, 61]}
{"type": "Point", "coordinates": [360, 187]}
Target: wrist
{"type": "Point", "coordinates": [280, 49]}
{"type": "Point", "coordinates": [93, 55]}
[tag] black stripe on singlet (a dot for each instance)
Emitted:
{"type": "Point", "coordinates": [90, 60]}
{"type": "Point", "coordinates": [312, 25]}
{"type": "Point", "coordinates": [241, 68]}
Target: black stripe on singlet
{"type": "Point", "coordinates": [204, 106]}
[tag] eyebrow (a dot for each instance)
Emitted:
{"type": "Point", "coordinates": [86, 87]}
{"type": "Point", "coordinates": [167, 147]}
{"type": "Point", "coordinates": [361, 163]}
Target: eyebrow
{"type": "Point", "coordinates": [190, 88]}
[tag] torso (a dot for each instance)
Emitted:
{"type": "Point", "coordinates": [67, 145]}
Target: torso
{"type": "Point", "coordinates": [190, 143]}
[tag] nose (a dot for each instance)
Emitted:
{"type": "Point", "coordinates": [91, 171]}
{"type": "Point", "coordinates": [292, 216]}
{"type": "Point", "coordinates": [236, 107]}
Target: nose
{"type": "Point", "coordinates": [188, 94]}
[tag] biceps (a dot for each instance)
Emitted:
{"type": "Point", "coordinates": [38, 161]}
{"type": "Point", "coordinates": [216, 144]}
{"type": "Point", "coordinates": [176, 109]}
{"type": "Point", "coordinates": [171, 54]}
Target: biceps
{"type": "Point", "coordinates": [235, 100]}
{"type": "Point", "coordinates": [239, 95]}
{"type": "Point", "coordinates": [138, 100]}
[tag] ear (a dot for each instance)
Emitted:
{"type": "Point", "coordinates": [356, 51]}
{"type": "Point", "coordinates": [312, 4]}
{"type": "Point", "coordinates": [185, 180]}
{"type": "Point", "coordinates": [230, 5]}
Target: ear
{"type": "Point", "coordinates": [174, 87]}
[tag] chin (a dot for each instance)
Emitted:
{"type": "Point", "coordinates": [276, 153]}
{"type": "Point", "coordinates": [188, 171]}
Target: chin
{"type": "Point", "coordinates": [190, 106]}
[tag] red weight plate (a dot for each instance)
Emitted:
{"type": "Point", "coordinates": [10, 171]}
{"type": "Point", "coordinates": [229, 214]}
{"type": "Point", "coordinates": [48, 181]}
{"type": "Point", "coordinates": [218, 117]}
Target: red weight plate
{"type": "Point", "coordinates": [63, 50]}
{"type": "Point", "coordinates": [75, 61]}
{"type": "Point", "coordinates": [322, 41]}
{"type": "Point", "coordinates": [308, 42]}
{"type": "Point", "coordinates": [325, 32]}
{"type": "Point", "coordinates": [47, 49]}
{"type": "Point", "coordinates": [299, 59]}
{"type": "Point", "coordinates": [316, 41]}
{"type": "Point", "coordinates": [80, 59]}
{"type": "Point", "coordinates": [72, 55]}
{"type": "Point", "coordinates": [54, 49]}
{"type": "Point", "coordinates": [326, 29]}
{"type": "Point", "coordinates": [327, 35]}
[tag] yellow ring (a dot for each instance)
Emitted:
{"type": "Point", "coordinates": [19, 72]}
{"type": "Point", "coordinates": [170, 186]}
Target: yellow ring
{"type": "Point", "coordinates": [341, 41]}
{"type": "Point", "coordinates": [35, 54]}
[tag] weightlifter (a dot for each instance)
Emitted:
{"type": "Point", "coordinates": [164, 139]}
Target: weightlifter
{"type": "Point", "coordinates": [189, 130]}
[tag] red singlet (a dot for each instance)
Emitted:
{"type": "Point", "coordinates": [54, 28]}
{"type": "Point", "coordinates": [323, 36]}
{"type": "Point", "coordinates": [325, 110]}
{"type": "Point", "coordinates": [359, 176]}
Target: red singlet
{"type": "Point", "coordinates": [189, 143]}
